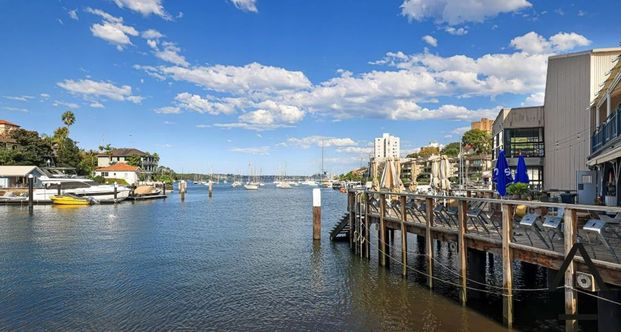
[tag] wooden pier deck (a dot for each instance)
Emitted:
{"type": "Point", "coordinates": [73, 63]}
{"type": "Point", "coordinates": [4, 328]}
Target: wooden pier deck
{"type": "Point", "coordinates": [490, 225]}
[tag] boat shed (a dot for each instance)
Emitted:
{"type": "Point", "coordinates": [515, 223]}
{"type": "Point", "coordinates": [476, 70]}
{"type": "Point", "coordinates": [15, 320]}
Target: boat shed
{"type": "Point", "coordinates": [17, 176]}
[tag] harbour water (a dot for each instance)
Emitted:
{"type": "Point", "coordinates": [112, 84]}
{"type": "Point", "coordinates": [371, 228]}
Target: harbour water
{"type": "Point", "coordinates": [242, 260]}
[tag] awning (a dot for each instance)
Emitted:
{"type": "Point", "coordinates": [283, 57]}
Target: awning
{"type": "Point", "coordinates": [605, 157]}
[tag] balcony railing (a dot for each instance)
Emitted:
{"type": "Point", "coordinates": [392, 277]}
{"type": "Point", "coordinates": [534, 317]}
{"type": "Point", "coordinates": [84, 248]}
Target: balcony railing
{"type": "Point", "coordinates": [606, 132]}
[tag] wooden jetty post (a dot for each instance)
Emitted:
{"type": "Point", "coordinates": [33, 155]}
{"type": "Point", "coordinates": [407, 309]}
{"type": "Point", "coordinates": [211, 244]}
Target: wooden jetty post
{"type": "Point", "coordinates": [210, 188]}
{"type": "Point", "coordinates": [30, 193]}
{"type": "Point", "coordinates": [316, 214]}
{"type": "Point", "coordinates": [507, 266]}
{"type": "Point", "coordinates": [382, 245]}
{"type": "Point", "coordinates": [350, 206]}
{"type": "Point", "coordinates": [116, 191]}
{"type": "Point", "coordinates": [463, 250]}
{"type": "Point", "coordinates": [404, 237]}
{"type": "Point", "coordinates": [182, 189]}
{"type": "Point", "coordinates": [367, 232]}
{"type": "Point", "coordinates": [571, 298]}
{"type": "Point", "coordinates": [164, 188]}
{"type": "Point", "coordinates": [429, 241]}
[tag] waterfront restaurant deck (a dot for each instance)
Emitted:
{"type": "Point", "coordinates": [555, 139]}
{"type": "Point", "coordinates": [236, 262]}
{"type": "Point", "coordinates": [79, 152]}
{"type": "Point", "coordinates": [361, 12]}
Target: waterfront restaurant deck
{"type": "Point", "coordinates": [491, 225]}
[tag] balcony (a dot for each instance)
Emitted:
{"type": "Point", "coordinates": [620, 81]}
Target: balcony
{"type": "Point", "coordinates": [606, 132]}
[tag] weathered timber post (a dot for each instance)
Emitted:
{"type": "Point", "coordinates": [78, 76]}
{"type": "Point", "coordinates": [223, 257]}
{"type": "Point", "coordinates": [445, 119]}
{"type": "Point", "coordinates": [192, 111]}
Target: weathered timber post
{"type": "Point", "coordinates": [30, 194]}
{"type": "Point", "coordinates": [355, 221]}
{"type": "Point", "coordinates": [404, 237]}
{"type": "Point", "coordinates": [382, 245]}
{"type": "Point", "coordinates": [463, 250]}
{"type": "Point", "coordinates": [182, 189]}
{"type": "Point", "coordinates": [361, 238]}
{"type": "Point", "coordinates": [350, 207]}
{"type": "Point", "coordinates": [210, 188]}
{"type": "Point", "coordinates": [59, 188]}
{"type": "Point", "coordinates": [164, 188]}
{"type": "Point", "coordinates": [116, 191]}
{"type": "Point", "coordinates": [316, 214]}
{"type": "Point", "coordinates": [571, 298]}
{"type": "Point", "coordinates": [507, 267]}
{"type": "Point", "coordinates": [429, 241]}
{"type": "Point", "coordinates": [367, 232]}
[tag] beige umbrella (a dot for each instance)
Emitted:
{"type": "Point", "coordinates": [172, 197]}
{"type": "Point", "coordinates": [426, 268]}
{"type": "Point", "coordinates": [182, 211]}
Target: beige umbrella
{"type": "Point", "coordinates": [434, 179]}
{"type": "Point", "coordinates": [445, 174]}
{"type": "Point", "coordinates": [374, 172]}
{"type": "Point", "coordinates": [387, 176]}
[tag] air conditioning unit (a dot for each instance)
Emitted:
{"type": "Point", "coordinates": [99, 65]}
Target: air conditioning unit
{"type": "Point", "coordinates": [586, 282]}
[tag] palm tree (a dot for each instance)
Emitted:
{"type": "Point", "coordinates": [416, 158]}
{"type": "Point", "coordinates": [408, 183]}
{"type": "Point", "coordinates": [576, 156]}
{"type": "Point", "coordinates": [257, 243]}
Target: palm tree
{"type": "Point", "coordinates": [68, 118]}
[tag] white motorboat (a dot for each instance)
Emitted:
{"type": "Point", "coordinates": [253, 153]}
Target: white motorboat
{"type": "Point", "coordinates": [78, 186]}
{"type": "Point", "coordinates": [283, 185]}
{"type": "Point", "coordinates": [236, 184]}
{"type": "Point", "coordinates": [251, 186]}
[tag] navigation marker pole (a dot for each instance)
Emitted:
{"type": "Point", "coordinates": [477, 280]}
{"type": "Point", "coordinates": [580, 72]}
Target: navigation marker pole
{"type": "Point", "coordinates": [316, 214]}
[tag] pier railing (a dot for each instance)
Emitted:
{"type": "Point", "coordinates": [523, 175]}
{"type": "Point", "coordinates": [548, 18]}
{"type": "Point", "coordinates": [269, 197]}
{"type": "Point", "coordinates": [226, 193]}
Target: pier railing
{"type": "Point", "coordinates": [536, 232]}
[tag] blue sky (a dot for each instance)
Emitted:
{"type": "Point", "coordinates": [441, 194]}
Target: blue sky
{"type": "Point", "coordinates": [213, 85]}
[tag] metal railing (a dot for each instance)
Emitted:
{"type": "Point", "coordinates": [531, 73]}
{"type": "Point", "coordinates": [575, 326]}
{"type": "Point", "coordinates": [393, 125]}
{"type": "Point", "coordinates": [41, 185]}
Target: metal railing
{"type": "Point", "coordinates": [606, 132]}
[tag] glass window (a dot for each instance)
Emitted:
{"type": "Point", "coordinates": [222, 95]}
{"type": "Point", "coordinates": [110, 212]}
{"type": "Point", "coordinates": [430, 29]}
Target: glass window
{"type": "Point", "coordinates": [527, 142]}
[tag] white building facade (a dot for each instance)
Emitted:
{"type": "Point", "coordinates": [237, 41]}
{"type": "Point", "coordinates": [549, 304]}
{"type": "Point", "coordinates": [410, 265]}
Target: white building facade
{"type": "Point", "coordinates": [387, 146]}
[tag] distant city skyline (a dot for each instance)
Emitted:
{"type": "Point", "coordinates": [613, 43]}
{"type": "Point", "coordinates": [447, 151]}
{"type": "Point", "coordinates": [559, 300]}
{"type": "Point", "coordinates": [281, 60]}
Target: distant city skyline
{"type": "Point", "coordinates": [214, 85]}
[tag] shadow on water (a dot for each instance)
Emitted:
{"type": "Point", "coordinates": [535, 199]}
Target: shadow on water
{"type": "Point", "coordinates": [242, 260]}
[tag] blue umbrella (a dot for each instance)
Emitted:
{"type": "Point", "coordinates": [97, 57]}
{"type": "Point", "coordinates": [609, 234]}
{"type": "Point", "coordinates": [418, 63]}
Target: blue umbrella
{"type": "Point", "coordinates": [521, 176]}
{"type": "Point", "coordinates": [502, 174]}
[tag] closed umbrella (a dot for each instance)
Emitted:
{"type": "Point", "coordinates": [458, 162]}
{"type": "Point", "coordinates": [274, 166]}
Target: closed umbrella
{"type": "Point", "coordinates": [387, 176]}
{"type": "Point", "coordinates": [434, 179]}
{"type": "Point", "coordinates": [445, 173]}
{"type": "Point", "coordinates": [521, 176]}
{"type": "Point", "coordinates": [502, 174]}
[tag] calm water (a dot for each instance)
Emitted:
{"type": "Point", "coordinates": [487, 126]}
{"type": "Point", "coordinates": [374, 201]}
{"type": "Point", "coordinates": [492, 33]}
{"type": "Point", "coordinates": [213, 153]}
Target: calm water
{"type": "Point", "coordinates": [242, 260]}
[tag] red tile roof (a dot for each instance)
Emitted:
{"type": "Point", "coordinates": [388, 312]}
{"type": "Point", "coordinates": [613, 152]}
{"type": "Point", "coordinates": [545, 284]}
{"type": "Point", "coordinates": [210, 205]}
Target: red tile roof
{"type": "Point", "coordinates": [118, 167]}
{"type": "Point", "coordinates": [4, 122]}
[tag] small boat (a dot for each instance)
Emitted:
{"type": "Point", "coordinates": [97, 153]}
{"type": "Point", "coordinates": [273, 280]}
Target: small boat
{"type": "Point", "coordinates": [69, 199]}
{"type": "Point", "coordinates": [251, 186]}
{"type": "Point", "coordinates": [283, 185]}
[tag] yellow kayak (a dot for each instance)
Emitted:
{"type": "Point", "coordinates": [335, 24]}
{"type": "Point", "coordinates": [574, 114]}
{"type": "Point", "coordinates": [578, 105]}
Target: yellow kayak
{"type": "Point", "coordinates": [70, 200]}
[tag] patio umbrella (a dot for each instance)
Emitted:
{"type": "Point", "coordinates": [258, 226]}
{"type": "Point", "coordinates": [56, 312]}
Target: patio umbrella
{"type": "Point", "coordinates": [445, 173]}
{"type": "Point", "coordinates": [390, 176]}
{"type": "Point", "coordinates": [387, 176]}
{"type": "Point", "coordinates": [502, 174]}
{"type": "Point", "coordinates": [521, 176]}
{"type": "Point", "coordinates": [434, 179]}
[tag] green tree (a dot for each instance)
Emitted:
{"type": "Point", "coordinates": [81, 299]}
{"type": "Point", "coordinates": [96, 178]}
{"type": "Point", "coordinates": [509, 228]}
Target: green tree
{"type": "Point", "coordinates": [33, 149]}
{"type": "Point", "coordinates": [68, 154]}
{"type": "Point", "coordinates": [88, 162]}
{"type": "Point", "coordinates": [427, 151]}
{"type": "Point", "coordinates": [135, 160]}
{"type": "Point", "coordinates": [451, 149]}
{"type": "Point", "coordinates": [479, 140]}
{"type": "Point", "coordinates": [68, 118]}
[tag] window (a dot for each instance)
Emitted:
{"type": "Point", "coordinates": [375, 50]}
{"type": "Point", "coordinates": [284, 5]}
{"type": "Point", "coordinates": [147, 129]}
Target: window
{"type": "Point", "coordinates": [527, 142]}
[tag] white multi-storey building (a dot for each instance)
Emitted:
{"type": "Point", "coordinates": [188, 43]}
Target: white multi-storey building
{"type": "Point", "coordinates": [387, 146]}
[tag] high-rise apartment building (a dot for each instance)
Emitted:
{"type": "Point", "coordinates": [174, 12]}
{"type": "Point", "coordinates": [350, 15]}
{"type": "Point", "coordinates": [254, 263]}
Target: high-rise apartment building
{"type": "Point", "coordinates": [387, 146]}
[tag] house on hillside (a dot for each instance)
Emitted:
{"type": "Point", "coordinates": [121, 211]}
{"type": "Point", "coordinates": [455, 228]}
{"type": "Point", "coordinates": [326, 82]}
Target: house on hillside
{"type": "Point", "coordinates": [123, 171]}
{"type": "Point", "coordinates": [148, 162]}
{"type": "Point", "coordinates": [6, 141]}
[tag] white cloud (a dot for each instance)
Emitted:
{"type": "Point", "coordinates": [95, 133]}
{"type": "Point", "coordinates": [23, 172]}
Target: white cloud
{"type": "Point", "coordinates": [96, 104]}
{"type": "Point", "coordinates": [44, 95]}
{"type": "Point", "coordinates": [235, 79]}
{"type": "Point", "coordinates": [308, 141]}
{"type": "Point", "coordinates": [534, 43]}
{"type": "Point", "coordinates": [19, 98]}
{"type": "Point", "coordinates": [90, 89]}
{"type": "Point", "coordinates": [430, 40]}
{"type": "Point", "coordinates": [209, 104]}
{"type": "Point", "coordinates": [168, 110]}
{"type": "Point", "coordinates": [112, 29]}
{"type": "Point", "coordinates": [460, 130]}
{"type": "Point", "coordinates": [73, 14]}
{"type": "Point", "coordinates": [261, 150]}
{"type": "Point", "coordinates": [151, 34]}
{"type": "Point", "coordinates": [16, 109]}
{"type": "Point", "coordinates": [203, 126]}
{"type": "Point", "coordinates": [535, 99]}
{"type": "Point", "coordinates": [144, 7]}
{"type": "Point", "coordinates": [169, 53]}
{"type": "Point", "coordinates": [246, 5]}
{"type": "Point", "coordinates": [63, 104]}
{"type": "Point", "coordinates": [459, 11]}
{"type": "Point", "coordinates": [456, 31]}
{"type": "Point", "coordinates": [356, 150]}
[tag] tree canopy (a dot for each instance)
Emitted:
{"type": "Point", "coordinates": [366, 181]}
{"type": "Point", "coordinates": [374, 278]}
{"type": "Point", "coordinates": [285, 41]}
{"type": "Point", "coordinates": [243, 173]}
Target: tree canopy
{"type": "Point", "coordinates": [451, 149]}
{"type": "Point", "coordinates": [479, 140]}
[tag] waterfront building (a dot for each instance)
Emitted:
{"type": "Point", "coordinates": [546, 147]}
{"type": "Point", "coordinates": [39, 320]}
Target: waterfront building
{"type": "Point", "coordinates": [605, 130]}
{"type": "Point", "coordinates": [17, 176]}
{"type": "Point", "coordinates": [6, 141]}
{"type": "Point", "coordinates": [122, 171]}
{"type": "Point", "coordinates": [386, 146]}
{"type": "Point", "coordinates": [148, 162]}
{"type": "Point", "coordinates": [572, 83]}
{"type": "Point", "coordinates": [484, 124]}
{"type": "Point", "coordinates": [520, 131]}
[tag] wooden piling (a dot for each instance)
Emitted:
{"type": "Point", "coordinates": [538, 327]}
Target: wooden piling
{"type": "Point", "coordinates": [404, 237]}
{"type": "Point", "coordinates": [507, 266]}
{"type": "Point", "coordinates": [116, 192]}
{"type": "Point", "coordinates": [317, 214]}
{"type": "Point", "coordinates": [164, 188]}
{"type": "Point", "coordinates": [367, 231]}
{"type": "Point", "coordinates": [382, 245]}
{"type": "Point", "coordinates": [30, 194]}
{"type": "Point", "coordinates": [429, 241]}
{"type": "Point", "coordinates": [571, 298]}
{"type": "Point", "coordinates": [210, 188]}
{"type": "Point", "coordinates": [463, 251]}
{"type": "Point", "coordinates": [350, 206]}
{"type": "Point", "coordinates": [182, 189]}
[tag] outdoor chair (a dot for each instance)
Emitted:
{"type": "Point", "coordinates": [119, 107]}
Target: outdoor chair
{"type": "Point", "coordinates": [416, 210]}
{"type": "Point", "coordinates": [478, 214]}
{"type": "Point", "coordinates": [552, 225]}
{"type": "Point", "coordinates": [529, 223]}
{"type": "Point", "coordinates": [595, 231]}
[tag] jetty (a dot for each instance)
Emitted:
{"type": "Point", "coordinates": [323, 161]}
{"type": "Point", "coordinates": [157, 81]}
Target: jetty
{"type": "Point", "coordinates": [583, 241]}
